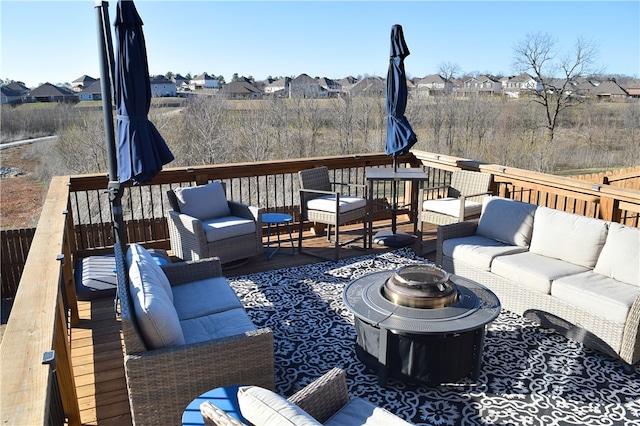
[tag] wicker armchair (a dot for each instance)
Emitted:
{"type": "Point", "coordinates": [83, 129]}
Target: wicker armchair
{"type": "Point", "coordinates": [197, 236]}
{"type": "Point", "coordinates": [321, 400]}
{"type": "Point", "coordinates": [321, 203]}
{"type": "Point", "coordinates": [162, 382]}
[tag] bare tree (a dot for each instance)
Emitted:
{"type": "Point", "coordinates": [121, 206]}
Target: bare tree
{"type": "Point", "coordinates": [556, 72]}
{"type": "Point", "coordinates": [449, 70]}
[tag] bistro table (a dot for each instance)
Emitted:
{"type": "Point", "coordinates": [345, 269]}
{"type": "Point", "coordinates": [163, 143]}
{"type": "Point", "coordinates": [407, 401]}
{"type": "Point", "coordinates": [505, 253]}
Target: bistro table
{"type": "Point", "coordinates": [381, 174]}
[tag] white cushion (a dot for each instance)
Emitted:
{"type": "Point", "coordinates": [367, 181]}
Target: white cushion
{"type": "Point", "coordinates": [225, 227]}
{"type": "Point", "coordinates": [620, 256]}
{"type": "Point", "coordinates": [451, 207]}
{"type": "Point", "coordinates": [261, 406]}
{"type": "Point", "coordinates": [477, 251]}
{"type": "Point", "coordinates": [566, 236]}
{"type": "Point", "coordinates": [597, 294]}
{"type": "Point", "coordinates": [327, 203]}
{"type": "Point", "coordinates": [155, 314]}
{"type": "Point", "coordinates": [203, 201]}
{"type": "Point", "coordinates": [205, 297]}
{"type": "Point", "coordinates": [359, 412]}
{"type": "Point", "coordinates": [148, 268]}
{"type": "Point", "coordinates": [216, 326]}
{"type": "Point", "coordinates": [508, 221]}
{"type": "Point", "coordinates": [533, 270]}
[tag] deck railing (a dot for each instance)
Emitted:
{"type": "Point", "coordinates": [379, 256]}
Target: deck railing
{"type": "Point", "coordinates": [75, 221]}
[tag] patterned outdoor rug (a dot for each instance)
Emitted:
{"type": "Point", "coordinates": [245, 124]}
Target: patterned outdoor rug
{"type": "Point", "coordinates": [529, 376]}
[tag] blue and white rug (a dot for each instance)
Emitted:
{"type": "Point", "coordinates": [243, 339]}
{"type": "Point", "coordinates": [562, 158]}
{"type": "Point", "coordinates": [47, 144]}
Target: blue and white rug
{"type": "Point", "coordinates": [529, 376]}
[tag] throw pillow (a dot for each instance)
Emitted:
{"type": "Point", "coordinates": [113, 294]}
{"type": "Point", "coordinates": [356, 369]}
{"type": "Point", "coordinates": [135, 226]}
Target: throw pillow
{"type": "Point", "coordinates": [261, 406]}
{"type": "Point", "coordinates": [204, 201]}
{"type": "Point", "coordinates": [507, 221]}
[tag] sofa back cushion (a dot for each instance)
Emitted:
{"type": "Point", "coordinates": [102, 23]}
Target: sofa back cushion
{"type": "Point", "coordinates": [568, 237]}
{"type": "Point", "coordinates": [620, 256]}
{"type": "Point", "coordinates": [507, 221]}
{"type": "Point", "coordinates": [203, 201]}
{"type": "Point", "coordinates": [152, 304]}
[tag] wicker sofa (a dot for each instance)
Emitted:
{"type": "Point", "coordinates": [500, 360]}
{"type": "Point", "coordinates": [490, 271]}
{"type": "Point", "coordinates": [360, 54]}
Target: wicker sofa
{"type": "Point", "coordinates": [185, 332]}
{"type": "Point", "coordinates": [576, 275]}
{"type": "Point", "coordinates": [324, 401]}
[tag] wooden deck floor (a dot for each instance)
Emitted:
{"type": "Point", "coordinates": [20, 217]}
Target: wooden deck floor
{"type": "Point", "coordinates": [96, 347]}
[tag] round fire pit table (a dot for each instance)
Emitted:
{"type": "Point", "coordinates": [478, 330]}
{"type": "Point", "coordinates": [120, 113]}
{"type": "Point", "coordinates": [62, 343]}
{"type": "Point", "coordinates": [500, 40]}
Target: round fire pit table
{"type": "Point", "coordinates": [420, 344]}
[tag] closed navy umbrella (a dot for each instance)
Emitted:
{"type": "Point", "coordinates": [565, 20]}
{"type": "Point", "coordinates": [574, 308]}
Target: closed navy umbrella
{"type": "Point", "coordinates": [141, 149]}
{"type": "Point", "coordinates": [400, 135]}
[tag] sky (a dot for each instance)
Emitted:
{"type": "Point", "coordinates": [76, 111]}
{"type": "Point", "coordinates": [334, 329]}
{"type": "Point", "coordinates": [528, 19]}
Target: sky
{"type": "Point", "coordinates": [56, 41]}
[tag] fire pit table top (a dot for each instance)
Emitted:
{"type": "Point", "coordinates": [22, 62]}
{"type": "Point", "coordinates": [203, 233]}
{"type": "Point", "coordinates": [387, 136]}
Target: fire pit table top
{"type": "Point", "coordinates": [476, 306]}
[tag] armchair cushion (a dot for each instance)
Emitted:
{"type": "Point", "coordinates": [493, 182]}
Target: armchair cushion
{"type": "Point", "coordinates": [451, 206]}
{"type": "Point", "coordinates": [261, 406]}
{"type": "Point", "coordinates": [157, 318]}
{"type": "Point", "coordinates": [203, 201]}
{"type": "Point", "coordinates": [620, 256]}
{"type": "Point", "coordinates": [327, 203]}
{"type": "Point", "coordinates": [221, 228]}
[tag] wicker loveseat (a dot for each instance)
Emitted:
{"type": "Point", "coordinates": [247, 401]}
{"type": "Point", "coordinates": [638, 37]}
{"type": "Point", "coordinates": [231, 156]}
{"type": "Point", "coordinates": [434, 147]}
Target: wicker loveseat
{"type": "Point", "coordinates": [576, 275]}
{"type": "Point", "coordinates": [185, 332]}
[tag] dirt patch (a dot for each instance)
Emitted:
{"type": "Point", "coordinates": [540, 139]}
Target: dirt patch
{"type": "Point", "coordinates": [21, 193]}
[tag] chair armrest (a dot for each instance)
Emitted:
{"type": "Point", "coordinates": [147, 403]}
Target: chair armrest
{"type": "Point", "coordinates": [323, 397]}
{"type": "Point", "coordinates": [317, 191]}
{"type": "Point", "coordinates": [475, 195]}
{"type": "Point", "coordinates": [194, 270]}
{"type": "Point", "coordinates": [454, 230]}
{"type": "Point", "coordinates": [244, 210]}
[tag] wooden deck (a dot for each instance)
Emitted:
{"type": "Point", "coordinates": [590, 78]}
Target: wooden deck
{"type": "Point", "coordinates": [96, 342]}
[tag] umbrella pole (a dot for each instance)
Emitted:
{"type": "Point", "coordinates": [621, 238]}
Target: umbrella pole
{"type": "Point", "coordinates": [105, 51]}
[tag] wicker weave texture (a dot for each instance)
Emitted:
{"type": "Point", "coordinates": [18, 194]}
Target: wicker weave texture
{"type": "Point", "coordinates": [618, 340]}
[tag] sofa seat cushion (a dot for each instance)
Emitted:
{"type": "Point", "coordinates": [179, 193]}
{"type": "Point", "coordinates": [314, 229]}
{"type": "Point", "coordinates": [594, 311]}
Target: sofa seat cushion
{"type": "Point", "coordinates": [203, 201]}
{"type": "Point", "coordinates": [566, 236]}
{"type": "Point", "coordinates": [216, 326]}
{"type": "Point", "coordinates": [327, 203]}
{"type": "Point", "coordinates": [360, 412]}
{"type": "Point", "coordinates": [508, 221]}
{"type": "Point", "coordinates": [221, 228]}
{"type": "Point", "coordinates": [597, 294]}
{"type": "Point", "coordinates": [620, 256]}
{"type": "Point", "coordinates": [451, 207]}
{"type": "Point", "coordinates": [201, 298]}
{"type": "Point", "coordinates": [261, 407]}
{"type": "Point", "coordinates": [532, 270]}
{"type": "Point", "coordinates": [477, 251]}
{"type": "Point", "coordinates": [156, 317]}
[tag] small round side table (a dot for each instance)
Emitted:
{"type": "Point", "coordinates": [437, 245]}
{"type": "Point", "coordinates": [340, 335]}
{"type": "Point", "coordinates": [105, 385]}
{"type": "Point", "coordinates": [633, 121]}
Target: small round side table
{"type": "Point", "coordinates": [225, 398]}
{"type": "Point", "coordinates": [277, 219]}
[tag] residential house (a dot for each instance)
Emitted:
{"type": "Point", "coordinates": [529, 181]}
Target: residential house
{"type": "Point", "coordinates": [50, 93]}
{"type": "Point", "coordinates": [433, 85]}
{"type": "Point", "coordinates": [304, 86]}
{"type": "Point", "coordinates": [633, 88]}
{"type": "Point", "coordinates": [162, 87]}
{"type": "Point", "coordinates": [278, 87]}
{"type": "Point", "coordinates": [204, 81]}
{"type": "Point", "coordinates": [610, 90]}
{"type": "Point", "coordinates": [332, 87]}
{"type": "Point", "coordinates": [92, 93]}
{"type": "Point", "coordinates": [240, 89]}
{"type": "Point", "coordinates": [81, 83]}
{"type": "Point", "coordinates": [369, 87]}
{"type": "Point", "coordinates": [515, 85]}
{"type": "Point", "coordinates": [482, 85]}
{"type": "Point", "coordinates": [182, 83]}
{"type": "Point", "coordinates": [346, 83]}
{"type": "Point", "coordinates": [13, 93]}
